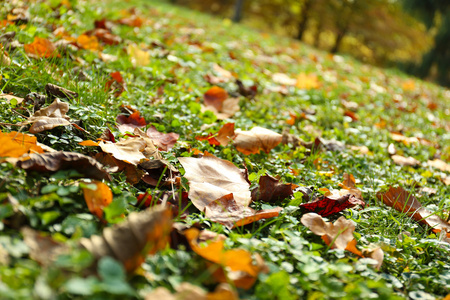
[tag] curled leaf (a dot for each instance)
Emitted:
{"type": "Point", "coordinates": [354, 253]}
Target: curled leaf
{"type": "Point", "coordinates": [270, 189]}
{"type": "Point", "coordinates": [55, 161]}
{"type": "Point", "coordinates": [164, 141]}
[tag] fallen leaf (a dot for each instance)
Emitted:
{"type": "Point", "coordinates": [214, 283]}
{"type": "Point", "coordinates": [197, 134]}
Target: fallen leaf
{"type": "Point", "coordinates": [439, 164]}
{"type": "Point", "coordinates": [211, 178]}
{"type": "Point", "coordinates": [164, 141]}
{"type": "Point", "coordinates": [43, 248]}
{"type": "Point", "coordinates": [41, 48]}
{"type": "Point", "coordinates": [116, 84]}
{"type": "Point", "coordinates": [104, 35]}
{"type": "Point", "coordinates": [223, 137]}
{"type": "Point", "coordinates": [283, 79]}
{"type": "Point", "coordinates": [376, 254]}
{"type": "Point", "coordinates": [97, 199]}
{"type": "Point", "coordinates": [188, 291]}
{"type": "Point", "coordinates": [15, 144]}
{"type": "Point", "coordinates": [242, 271]}
{"type": "Point", "coordinates": [349, 186]}
{"type": "Point", "coordinates": [398, 137]}
{"type": "Point", "coordinates": [112, 165]}
{"type": "Point", "coordinates": [307, 81]}
{"type": "Point", "coordinates": [255, 140]}
{"type": "Point", "coordinates": [138, 56]}
{"type": "Point", "coordinates": [129, 123]}
{"type": "Point", "coordinates": [405, 202]}
{"type": "Point", "coordinates": [55, 161]}
{"type": "Point", "coordinates": [270, 189]}
{"type": "Point", "coordinates": [11, 97]}
{"type": "Point", "coordinates": [336, 235]}
{"type": "Point", "coordinates": [228, 212]}
{"type": "Point", "coordinates": [60, 92]}
{"type": "Point", "coordinates": [326, 206]}
{"type": "Point", "coordinates": [88, 42]}
{"type": "Point", "coordinates": [49, 117]}
{"type": "Point", "coordinates": [132, 150]}
{"type": "Point", "coordinates": [129, 242]}
{"type": "Point", "coordinates": [405, 161]}
{"type": "Point", "coordinates": [215, 97]}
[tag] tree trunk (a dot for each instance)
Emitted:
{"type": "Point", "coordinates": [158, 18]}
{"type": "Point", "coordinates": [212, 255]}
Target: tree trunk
{"type": "Point", "coordinates": [238, 8]}
{"type": "Point", "coordinates": [304, 19]}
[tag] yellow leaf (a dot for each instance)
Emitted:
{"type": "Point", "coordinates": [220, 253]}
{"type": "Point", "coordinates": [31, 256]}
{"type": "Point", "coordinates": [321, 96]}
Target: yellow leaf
{"type": "Point", "coordinates": [138, 56]}
{"type": "Point", "coordinates": [307, 81]}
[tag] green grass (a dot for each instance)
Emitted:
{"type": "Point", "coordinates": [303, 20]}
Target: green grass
{"type": "Point", "coordinates": [301, 266]}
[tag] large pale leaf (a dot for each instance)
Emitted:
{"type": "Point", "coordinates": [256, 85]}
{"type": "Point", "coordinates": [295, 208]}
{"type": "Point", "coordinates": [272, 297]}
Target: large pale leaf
{"type": "Point", "coordinates": [257, 139]}
{"type": "Point", "coordinates": [49, 117]}
{"type": "Point", "coordinates": [211, 178]}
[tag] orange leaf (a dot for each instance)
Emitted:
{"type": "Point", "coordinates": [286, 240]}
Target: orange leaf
{"type": "Point", "coordinates": [98, 199]}
{"type": "Point", "coordinates": [239, 261]}
{"type": "Point", "coordinates": [307, 81]}
{"type": "Point", "coordinates": [88, 143]}
{"type": "Point", "coordinates": [215, 97]}
{"type": "Point", "coordinates": [88, 42]}
{"type": "Point", "coordinates": [15, 144]}
{"type": "Point", "coordinates": [41, 48]}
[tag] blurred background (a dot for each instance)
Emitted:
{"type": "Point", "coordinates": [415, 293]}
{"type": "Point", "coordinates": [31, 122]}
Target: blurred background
{"type": "Point", "coordinates": [412, 35]}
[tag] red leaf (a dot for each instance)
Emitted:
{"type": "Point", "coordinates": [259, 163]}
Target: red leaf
{"type": "Point", "coordinates": [129, 123]}
{"type": "Point", "coordinates": [270, 189]}
{"type": "Point", "coordinates": [164, 141]}
{"type": "Point", "coordinates": [325, 206]}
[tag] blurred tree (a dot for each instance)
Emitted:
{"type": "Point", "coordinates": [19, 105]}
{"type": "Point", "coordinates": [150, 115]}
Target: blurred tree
{"type": "Point", "coordinates": [436, 15]}
{"type": "Point", "coordinates": [238, 11]}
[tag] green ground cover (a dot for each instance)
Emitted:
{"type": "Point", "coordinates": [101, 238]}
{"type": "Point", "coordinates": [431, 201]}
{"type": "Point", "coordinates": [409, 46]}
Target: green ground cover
{"type": "Point", "coordinates": [369, 121]}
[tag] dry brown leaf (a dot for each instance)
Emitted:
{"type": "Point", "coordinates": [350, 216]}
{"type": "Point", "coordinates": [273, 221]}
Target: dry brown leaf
{"type": "Point", "coordinates": [215, 97]}
{"type": "Point", "coordinates": [439, 164]}
{"type": "Point", "coordinates": [43, 249]}
{"type": "Point", "coordinates": [405, 161]}
{"type": "Point", "coordinates": [55, 161]}
{"type": "Point", "coordinates": [211, 178]}
{"type": "Point", "coordinates": [242, 270]}
{"type": "Point", "coordinates": [226, 211]}
{"type": "Point", "coordinates": [133, 150]}
{"type": "Point", "coordinates": [376, 254]}
{"type": "Point", "coordinates": [49, 117]}
{"type": "Point", "coordinates": [97, 199]}
{"type": "Point", "coordinates": [255, 140]}
{"type": "Point", "coordinates": [57, 91]}
{"type": "Point", "coordinates": [270, 189]}
{"type": "Point", "coordinates": [405, 202]}
{"type": "Point", "coordinates": [129, 242]}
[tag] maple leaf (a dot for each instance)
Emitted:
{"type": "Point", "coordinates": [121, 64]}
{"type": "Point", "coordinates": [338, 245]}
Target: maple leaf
{"type": "Point", "coordinates": [228, 212]}
{"type": "Point", "coordinates": [97, 199]}
{"type": "Point", "coordinates": [211, 178]}
{"type": "Point", "coordinates": [405, 202]}
{"type": "Point", "coordinates": [255, 140]}
{"type": "Point", "coordinates": [41, 48]}
{"type": "Point", "coordinates": [326, 206]}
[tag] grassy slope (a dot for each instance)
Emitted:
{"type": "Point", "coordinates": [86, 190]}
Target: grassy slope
{"type": "Point", "coordinates": [301, 266]}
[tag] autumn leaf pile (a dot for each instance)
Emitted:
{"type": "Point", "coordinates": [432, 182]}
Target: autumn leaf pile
{"type": "Point", "coordinates": [147, 151]}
